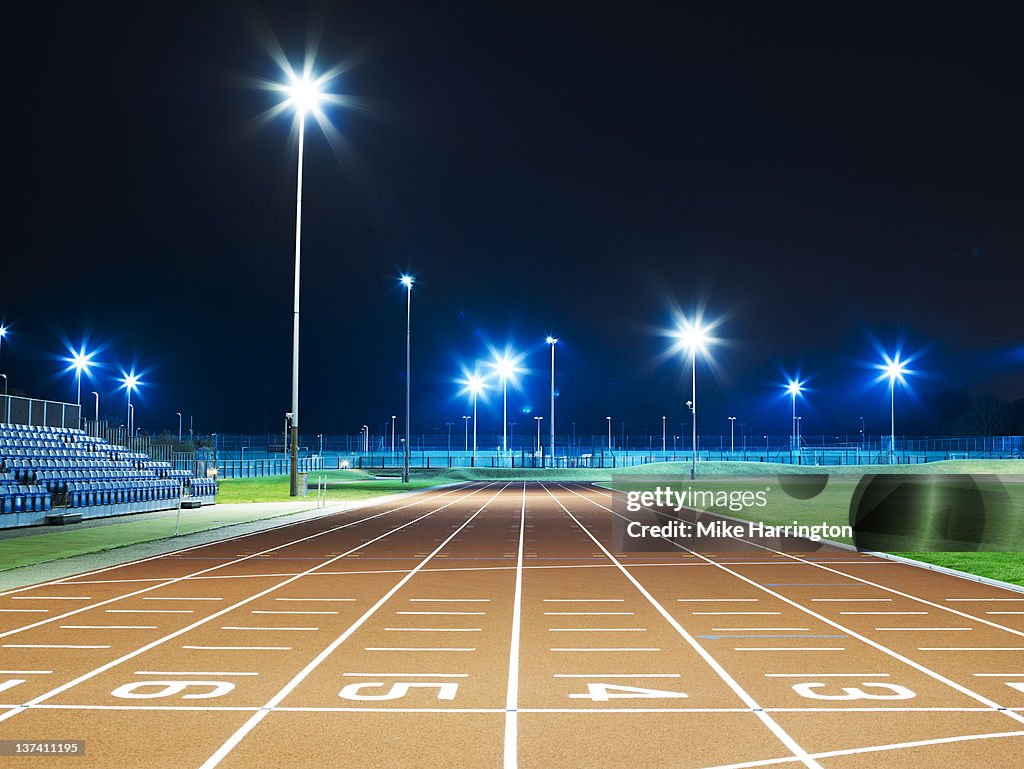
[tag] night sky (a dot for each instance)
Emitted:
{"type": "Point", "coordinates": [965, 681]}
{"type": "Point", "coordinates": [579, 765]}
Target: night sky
{"type": "Point", "coordinates": [822, 181]}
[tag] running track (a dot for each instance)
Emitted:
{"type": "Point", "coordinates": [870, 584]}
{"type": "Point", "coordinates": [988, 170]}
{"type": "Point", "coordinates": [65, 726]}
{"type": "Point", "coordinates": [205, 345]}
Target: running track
{"type": "Point", "coordinates": [487, 626]}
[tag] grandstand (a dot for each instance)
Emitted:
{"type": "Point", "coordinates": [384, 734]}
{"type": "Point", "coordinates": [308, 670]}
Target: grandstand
{"type": "Point", "coordinates": [51, 474]}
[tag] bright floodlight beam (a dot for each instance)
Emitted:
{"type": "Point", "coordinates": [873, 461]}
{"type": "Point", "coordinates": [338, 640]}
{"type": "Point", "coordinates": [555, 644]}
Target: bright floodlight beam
{"type": "Point", "coordinates": [505, 365]}
{"type": "Point", "coordinates": [81, 361]}
{"type": "Point", "coordinates": [794, 388]}
{"type": "Point", "coordinates": [407, 281]}
{"type": "Point", "coordinates": [130, 382]}
{"type": "Point", "coordinates": [895, 370]}
{"type": "Point", "coordinates": [693, 336]}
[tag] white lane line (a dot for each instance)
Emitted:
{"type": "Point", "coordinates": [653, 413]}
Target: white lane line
{"type": "Point", "coordinates": [239, 648]}
{"type": "Point", "coordinates": [25, 672]}
{"type": "Point", "coordinates": [781, 734]}
{"type": "Point", "coordinates": [177, 598]}
{"type": "Point", "coordinates": [450, 600]}
{"type": "Point", "coordinates": [886, 613]}
{"type": "Point", "coordinates": [434, 629]}
{"type": "Point", "coordinates": [327, 600]}
{"type": "Point", "coordinates": [264, 611]}
{"type": "Point", "coordinates": [715, 600]}
{"type": "Point", "coordinates": [406, 675]}
{"type": "Point", "coordinates": [864, 639]}
{"type": "Point", "coordinates": [51, 598]}
{"type": "Point", "coordinates": [926, 629]}
{"type": "Point", "coordinates": [998, 675]}
{"type": "Point", "coordinates": [616, 675]}
{"type": "Point", "coordinates": [851, 600]}
{"type": "Point", "coordinates": [274, 701]}
{"type": "Point", "coordinates": [242, 602]}
{"type": "Point", "coordinates": [191, 673]}
{"type": "Point", "coordinates": [444, 613]}
{"type": "Point", "coordinates": [419, 649]}
{"type": "Point", "coordinates": [510, 751]}
{"type": "Point", "coordinates": [109, 627]}
{"type": "Point", "coordinates": [970, 648]}
{"type": "Point", "coordinates": [1004, 612]}
{"type": "Point", "coordinates": [149, 611]}
{"type": "Point", "coordinates": [52, 646]}
{"type": "Point", "coordinates": [827, 675]}
{"type": "Point", "coordinates": [588, 614]}
{"type": "Point", "coordinates": [597, 630]}
{"type": "Point", "coordinates": [732, 629]}
{"type": "Point", "coordinates": [985, 599]}
{"type": "Point", "coordinates": [790, 648]}
{"type": "Point", "coordinates": [261, 629]}
{"type": "Point", "coordinates": [734, 613]}
{"type": "Point", "coordinates": [607, 649]}
{"type": "Point", "coordinates": [26, 611]}
{"type": "Point", "coordinates": [584, 600]}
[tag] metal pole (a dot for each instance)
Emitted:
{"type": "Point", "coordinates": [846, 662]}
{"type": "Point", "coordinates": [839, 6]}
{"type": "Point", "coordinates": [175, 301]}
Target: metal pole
{"type": "Point", "coordinates": [504, 414]}
{"type": "Point", "coordinates": [609, 419]}
{"type": "Point", "coordinates": [552, 442]}
{"type": "Point", "coordinates": [474, 427]}
{"type": "Point", "coordinates": [179, 425]}
{"type": "Point", "coordinates": [294, 481]}
{"type": "Point", "coordinates": [693, 466]}
{"type": "Point", "coordinates": [892, 416]}
{"type": "Point", "coordinates": [408, 361]}
{"type": "Point", "coordinates": [664, 439]}
{"type": "Point", "coordinates": [465, 425]}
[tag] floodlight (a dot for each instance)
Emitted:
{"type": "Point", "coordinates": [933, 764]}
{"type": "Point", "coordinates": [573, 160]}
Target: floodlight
{"type": "Point", "coordinates": [407, 280]}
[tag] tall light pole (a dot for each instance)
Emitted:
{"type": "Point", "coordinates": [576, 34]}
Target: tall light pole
{"type": "Point", "coordinates": [538, 421]}
{"type": "Point", "coordinates": [393, 418]}
{"type": "Point", "coordinates": [732, 434]}
{"type": "Point", "coordinates": [449, 426]}
{"type": "Point", "coordinates": [794, 387]}
{"type": "Point", "coordinates": [474, 385]}
{"type": "Point", "coordinates": [609, 420]}
{"type": "Point", "coordinates": [863, 435]}
{"type": "Point", "coordinates": [693, 337]}
{"type": "Point", "coordinates": [465, 422]}
{"type": "Point", "coordinates": [179, 425]}
{"type": "Point", "coordinates": [505, 366]}
{"type": "Point", "coordinates": [895, 370]}
{"type": "Point", "coordinates": [81, 362]}
{"type": "Point", "coordinates": [552, 341]}
{"type": "Point", "coordinates": [407, 281]}
{"type": "Point", "coordinates": [366, 439]}
{"type": "Point", "coordinates": [664, 435]}
{"type": "Point", "coordinates": [130, 382]}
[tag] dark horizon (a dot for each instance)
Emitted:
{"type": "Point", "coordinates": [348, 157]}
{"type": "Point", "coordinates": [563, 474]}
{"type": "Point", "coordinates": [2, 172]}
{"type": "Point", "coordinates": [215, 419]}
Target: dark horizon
{"type": "Point", "coordinates": [825, 185]}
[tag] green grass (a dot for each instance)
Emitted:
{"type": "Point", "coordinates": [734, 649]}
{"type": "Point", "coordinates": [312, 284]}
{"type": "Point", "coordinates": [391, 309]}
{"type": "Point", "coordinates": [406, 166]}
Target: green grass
{"type": "Point", "coordinates": [1008, 567]}
{"type": "Point", "coordinates": [342, 485]}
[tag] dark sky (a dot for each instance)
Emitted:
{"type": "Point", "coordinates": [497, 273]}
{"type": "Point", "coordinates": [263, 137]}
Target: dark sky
{"type": "Point", "coordinates": [823, 180]}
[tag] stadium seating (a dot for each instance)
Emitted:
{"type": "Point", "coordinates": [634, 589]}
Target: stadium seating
{"type": "Point", "coordinates": [46, 470]}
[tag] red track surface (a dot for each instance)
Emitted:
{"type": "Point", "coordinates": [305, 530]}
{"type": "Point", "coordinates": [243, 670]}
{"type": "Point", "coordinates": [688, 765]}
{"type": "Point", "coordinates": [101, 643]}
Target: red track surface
{"type": "Point", "coordinates": [442, 632]}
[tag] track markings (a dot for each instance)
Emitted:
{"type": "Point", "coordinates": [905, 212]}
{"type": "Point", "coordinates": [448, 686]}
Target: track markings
{"type": "Point", "coordinates": [109, 627]}
{"type": "Point", "coordinates": [608, 649]}
{"type": "Point", "coordinates": [717, 600]}
{"type": "Point", "coordinates": [316, 599]}
{"type": "Point", "coordinates": [827, 675]}
{"type": "Point", "coordinates": [177, 598]}
{"type": "Point", "coordinates": [924, 629]}
{"type": "Point", "coordinates": [597, 630]}
{"type": "Point", "coordinates": [588, 614]}
{"type": "Point", "coordinates": [450, 600]}
{"type": "Point", "coordinates": [985, 599]}
{"type": "Point", "coordinates": [852, 600]}
{"type": "Point", "coordinates": [406, 675]}
{"type": "Point", "coordinates": [885, 613]}
{"type": "Point", "coordinates": [54, 646]}
{"type": "Point", "coordinates": [239, 648]}
{"type": "Point", "coordinates": [444, 613]}
{"type": "Point", "coordinates": [25, 672]}
{"type": "Point", "coordinates": [191, 673]}
{"type": "Point", "coordinates": [735, 613]}
{"type": "Point", "coordinates": [510, 745]}
{"type": "Point", "coordinates": [51, 597]}
{"type": "Point", "coordinates": [434, 629]}
{"type": "Point", "coordinates": [970, 648]}
{"type": "Point", "coordinates": [584, 600]}
{"type": "Point", "coordinates": [263, 629]}
{"type": "Point", "coordinates": [616, 675]}
{"type": "Point", "coordinates": [790, 648]}
{"type": "Point", "coordinates": [26, 611]}
{"type": "Point", "coordinates": [264, 611]}
{"type": "Point", "coordinates": [149, 611]}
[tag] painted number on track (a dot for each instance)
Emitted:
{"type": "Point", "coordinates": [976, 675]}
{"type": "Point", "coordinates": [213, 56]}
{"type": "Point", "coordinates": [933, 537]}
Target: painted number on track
{"type": "Point", "coordinates": [598, 692]}
{"type": "Point", "coordinates": [891, 692]}
{"type": "Point", "coordinates": [158, 689]}
{"type": "Point", "coordinates": [398, 690]}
